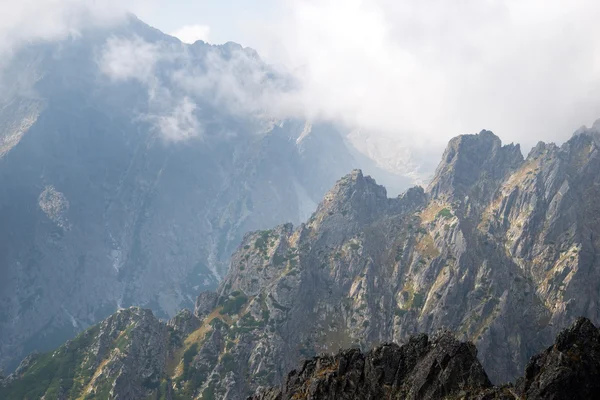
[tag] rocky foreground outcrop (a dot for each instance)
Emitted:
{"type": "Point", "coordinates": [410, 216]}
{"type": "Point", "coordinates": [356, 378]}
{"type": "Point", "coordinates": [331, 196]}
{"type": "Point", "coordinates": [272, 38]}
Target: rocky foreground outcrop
{"type": "Point", "coordinates": [444, 368]}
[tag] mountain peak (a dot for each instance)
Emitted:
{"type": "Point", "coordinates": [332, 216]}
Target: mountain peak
{"type": "Point", "coordinates": [470, 160]}
{"type": "Point", "coordinates": [388, 371]}
{"type": "Point", "coordinates": [354, 197]}
{"type": "Point", "coordinates": [443, 367]}
{"type": "Point", "coordinates": [567, 370]}
{"type": "Point", "coordinates": [593, 131]}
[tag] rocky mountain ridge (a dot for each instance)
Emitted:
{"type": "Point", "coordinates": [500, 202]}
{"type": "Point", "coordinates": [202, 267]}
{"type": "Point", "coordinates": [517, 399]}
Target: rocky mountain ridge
{"type": "Point", "coordinates": [444, 368]}
{"type": "Point", "coordinates": [131, 355]}
{"type": "Point", "coordinates": [120, 185]}
{"type": "Point", "coordinates": [499, 249]}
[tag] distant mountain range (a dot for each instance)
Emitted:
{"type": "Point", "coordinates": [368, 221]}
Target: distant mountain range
{"type": "Point", "coordinates": [131, 165]}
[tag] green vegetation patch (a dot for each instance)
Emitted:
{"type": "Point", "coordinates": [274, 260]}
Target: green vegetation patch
{"type": "Point", "coordinates": [234, 304]}
{"type": "Point", "coordinates": [261, 244]}
{"type": "Point", "coordinates": [399, 312]}
{"type": "Point", "coordinates": [278, 259]}
{"type": "Point", "coordinates": [122, 340]}
{"type": "Point", "coordinates": [54, 372]}
{"type": "Point", "coordinates": [445, 213]}
{"type": "Point", "coordinates": [188, 357]}
{"type": "Point", "coordinates": [418, 300]}
{"type": "Point", "coordinates": [228, 362]}
{"type": "Point", "coordinates": [247, 324]}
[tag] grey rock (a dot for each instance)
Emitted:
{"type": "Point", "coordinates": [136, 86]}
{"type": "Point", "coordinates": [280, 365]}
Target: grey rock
{"type": "Point", "coordinates": [185, 322]}
{"type": "Point", "coordinates": [504, 257]}
{"type": "Point", "coordinates": [498, 249]}
{"type": "Point", "coordinates": [445, 368]}
{"type": "Point", "coordinates": [569, 369]}
{"type": "Point", "coordinates": [420, 369]}
{"type": "Point", "coordinates": [100, 212]}
{"type": "Point", "coordinates": [205, 304]}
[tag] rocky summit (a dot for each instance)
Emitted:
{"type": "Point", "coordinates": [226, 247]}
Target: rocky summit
{"type": "Point", "coordinates": [444, 368]}
{"type": "Point", "coordinates": [420, 369]}
{"type": "Point", "coordinates": [499, 249]}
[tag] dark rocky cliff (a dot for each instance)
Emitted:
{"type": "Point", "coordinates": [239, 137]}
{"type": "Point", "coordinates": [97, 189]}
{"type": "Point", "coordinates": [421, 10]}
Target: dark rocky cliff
{"type": "Point", "coordinates": [444, 368]}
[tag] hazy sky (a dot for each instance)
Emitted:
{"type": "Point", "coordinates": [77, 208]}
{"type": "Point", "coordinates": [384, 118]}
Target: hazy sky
{"type": "Point", "coordinates": [398, 72]}
{"type": "Point", "coordinates": [421, 70]}
{"type": "Point", "coordinates": [227, 20]}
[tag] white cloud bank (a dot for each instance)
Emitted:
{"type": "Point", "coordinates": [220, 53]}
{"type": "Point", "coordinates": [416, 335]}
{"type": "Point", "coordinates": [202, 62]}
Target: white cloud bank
{"type": "Point", "coordinates": [400, 74]}
{"type": "Point", "coordinates": [173, 115]}
{"type": "Point", "coordinates": [181, 123]}
{"type": "Point", "coordinates": [24, 21]}
{"type": "Point", "coordinates": [123, 59]}
{"type": "Point", "coordinates": [416, 73]}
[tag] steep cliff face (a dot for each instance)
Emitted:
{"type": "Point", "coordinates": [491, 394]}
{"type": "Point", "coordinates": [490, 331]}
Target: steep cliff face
{"type": "Point", "coordinates": [103, 206]}
{"type": "Point", "coordinates": [504, 257]}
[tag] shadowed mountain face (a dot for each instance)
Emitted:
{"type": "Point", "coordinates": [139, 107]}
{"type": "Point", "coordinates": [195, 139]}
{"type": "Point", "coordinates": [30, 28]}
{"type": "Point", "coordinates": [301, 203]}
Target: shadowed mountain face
{"type": "Point", "coordinates": [499, 249]}
{"type": "Point", "coordinates": [120, 185]}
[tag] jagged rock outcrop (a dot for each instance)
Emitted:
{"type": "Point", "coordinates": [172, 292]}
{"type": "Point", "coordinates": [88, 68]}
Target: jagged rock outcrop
{"type": "Point", "coordinates": [474, 164]}
{"type": "Point", "coordinates": [445, 368]}
{"type": "Point", "coordinates": [496, 259]}
{"type": "Point", "coordinates": [570, 369]}
{"type": "Point", "coordinates": [205, 304]}
{"type": "Point", "coordinates": [502, 259]}
{"type": "Point", "coordinates": [420, 369]}
{"type": "Point", "coordinates": [123, 357]}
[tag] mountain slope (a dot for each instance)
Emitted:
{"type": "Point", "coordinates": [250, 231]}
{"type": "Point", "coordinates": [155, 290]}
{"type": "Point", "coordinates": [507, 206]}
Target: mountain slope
{"type": "Point", "coordinates": [132, 355]}
{"type": "Point", "coordinates": [499, 249]}
{"type": "Point", "coordinates": [120, 185]}
{"type": "Point", "coordinates": [366, 269]}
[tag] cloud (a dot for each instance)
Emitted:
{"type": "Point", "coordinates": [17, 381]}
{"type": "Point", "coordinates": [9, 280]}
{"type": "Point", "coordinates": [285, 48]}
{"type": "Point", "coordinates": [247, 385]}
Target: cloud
{"type": "Point", "coordinates": [183, 81]}
{"type": "Point", "coordinates": [181, 123]}
{"type": "Point", "coordinates": [399, 74]}
{"type": "Point", "coordinates": [232, 78]}
{"type": "Point", "coordinates": [133, 59]}
{"type": "Point", "coordinates": [404, 77]}
{"type": "Point", "coordinates": [415, 73]}
{"type": "Point", "coordinates": [25, 21]}
{"type": "Point", "coordinates": [192, 33]}
{"type": "Point", "coordinates": [124, 59]}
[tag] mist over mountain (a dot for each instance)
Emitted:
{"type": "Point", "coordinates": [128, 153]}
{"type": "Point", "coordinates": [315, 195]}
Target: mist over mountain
{"type": "Point", "coordinates": [131, 165]}
{"type": "Point", "coordinates": [185, 220]}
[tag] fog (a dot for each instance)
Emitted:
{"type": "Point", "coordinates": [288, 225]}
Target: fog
{"type": "Point", "coordinates": [402, 76]}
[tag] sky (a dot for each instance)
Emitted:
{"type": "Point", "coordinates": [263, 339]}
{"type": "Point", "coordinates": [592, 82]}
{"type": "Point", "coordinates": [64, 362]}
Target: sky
{"type": "Point", "coordinates": [214, 21]}
{"type": "Point", "coordinates": [400, 74]}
